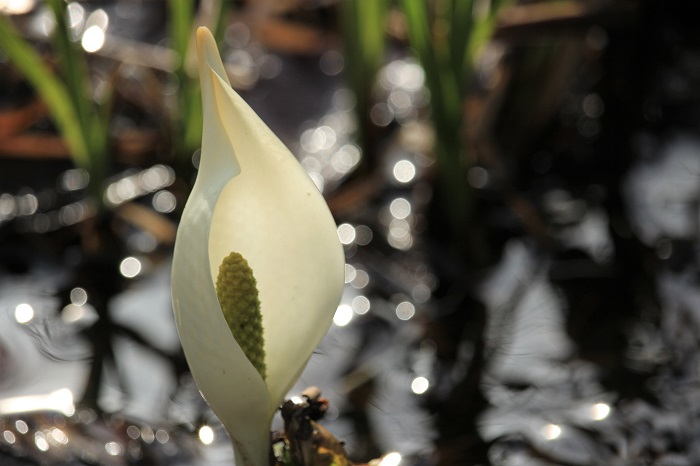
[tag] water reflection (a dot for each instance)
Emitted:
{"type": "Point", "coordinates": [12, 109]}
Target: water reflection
{"type": "Point", "coordinates": [420, 385]}
{"type": "Point", "coordinates": [391, 459]}
{"type": "Point", "coordinates": [59, 400]}
{"type": "Point", "coordinates": [206, 435]}
{"type": "Point", "coordinates": [405, 310]}
{"type": "Point", "coordinates": [113, 448]}
{"type": "Point", "coordinates": [130, 267]}
{"type": "Point", "coordinates": [16, 7]}
{"type": "Point", "coordinates": [343, 315]}
{"type": "Point", "coordinates": [361, 304]}
{"type": "Point", "coordinates": [9, 437]}
{"type": "Point", "coordinates": [94, 35]}
{"type": "Point", "coordinates": [93, 39]}
{"type": "Point", "coordinates": [132, 185]}
{"type": "Point", "coordinates": [40, 441]}
{"type": "Point", "coordinates": [600, 411]}
{"type": "Point", "coordinates": [78, 296]}
{"type": "Point", "coordinates": [24, 313]}
{"type": "Point", "coordinates": [404, 171]}
{"type": "Point", "coordinates": [346, 233]}
{"type": "Point", "coordinates": [551, 431]}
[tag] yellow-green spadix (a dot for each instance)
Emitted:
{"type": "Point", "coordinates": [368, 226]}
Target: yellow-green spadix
{"type": "Point", "coordinates": [251, 198]}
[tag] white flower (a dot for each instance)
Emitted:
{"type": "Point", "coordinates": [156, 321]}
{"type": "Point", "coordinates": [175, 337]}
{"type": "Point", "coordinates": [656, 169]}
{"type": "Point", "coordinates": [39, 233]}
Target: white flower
{"type": "Point", "coordinates": [252, 197]}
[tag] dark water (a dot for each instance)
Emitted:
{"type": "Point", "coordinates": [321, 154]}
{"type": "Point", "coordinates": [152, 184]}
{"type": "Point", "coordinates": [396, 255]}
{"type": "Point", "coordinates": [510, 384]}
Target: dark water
{"type": "Point", "coordinates": [575, 344]}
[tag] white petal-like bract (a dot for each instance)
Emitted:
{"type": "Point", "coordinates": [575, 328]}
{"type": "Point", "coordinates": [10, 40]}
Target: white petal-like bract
{"type": "Point", "coordinates": [251, 196]}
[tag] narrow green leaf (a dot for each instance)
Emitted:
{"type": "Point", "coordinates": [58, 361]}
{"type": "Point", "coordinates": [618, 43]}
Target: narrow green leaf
{"type": "Point", "coordinates": [76, 76]}
{"type": "Point", "coordinates": [461, 24]}
{"type": "Point", "coordinates": [482, 31]}
{"type": "Point", "coordinates": [363, 26]}
{"type": "Point", "coordinates": [446, 99]}
{"type": "Point", "coordinates": [181, 20]}
{"type": "Point", "coordinates": [52, 91]}
{"type": "Point", "coordinates": [71, 64]}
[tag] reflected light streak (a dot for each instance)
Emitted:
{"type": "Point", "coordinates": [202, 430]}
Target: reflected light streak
{"type": "Point", "coordinates": [206, 435]}
{"type": "Point", "coordinates": [60, 400]}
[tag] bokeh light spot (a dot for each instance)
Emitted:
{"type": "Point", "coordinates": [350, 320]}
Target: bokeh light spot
{"type": "Point", "coordinates": [93, 39]}
{"type": "Point", "coordinates": [130, 267]}
{"type": "Point", "coordinates": [551, 431]}
{"type": "Point", "coordinates": [404, 171]}
{"type": "Point", "coordinates": [346, 233]}
{"type": "Point", "coordinates": [391, 459]}
{"type": "Point", "coordinates": [113, 448]}
{"type": "Point", "coordinates": [405, 310]}
{"type": "Point", "coordinates": [360, 304]}
{"type": "Point", "coordinates": [420, 385]}
{"type": "Point", "coordinates": [400, 208]}
{"type": "Point", "coordinates": [600, 411]}
{"type": "Point", "coordinates": [206, 435]}
{"type": "Point", "coordinates": [24, 313]}
{"type": "Point", "coordinates": [343, 315]}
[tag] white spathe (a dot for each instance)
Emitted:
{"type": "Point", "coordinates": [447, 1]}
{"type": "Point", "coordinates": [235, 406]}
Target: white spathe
{"type": "Point", "coordinates": [251, 196]}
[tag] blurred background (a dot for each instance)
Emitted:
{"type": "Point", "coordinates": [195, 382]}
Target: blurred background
{"type": "Point", "coordinates": [516, 185]}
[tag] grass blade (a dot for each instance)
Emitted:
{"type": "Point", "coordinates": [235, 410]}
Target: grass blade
{"type": "Point", "coordinates": [363, 26]}
{"type": "Point", "coordinates": [52, 91]}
